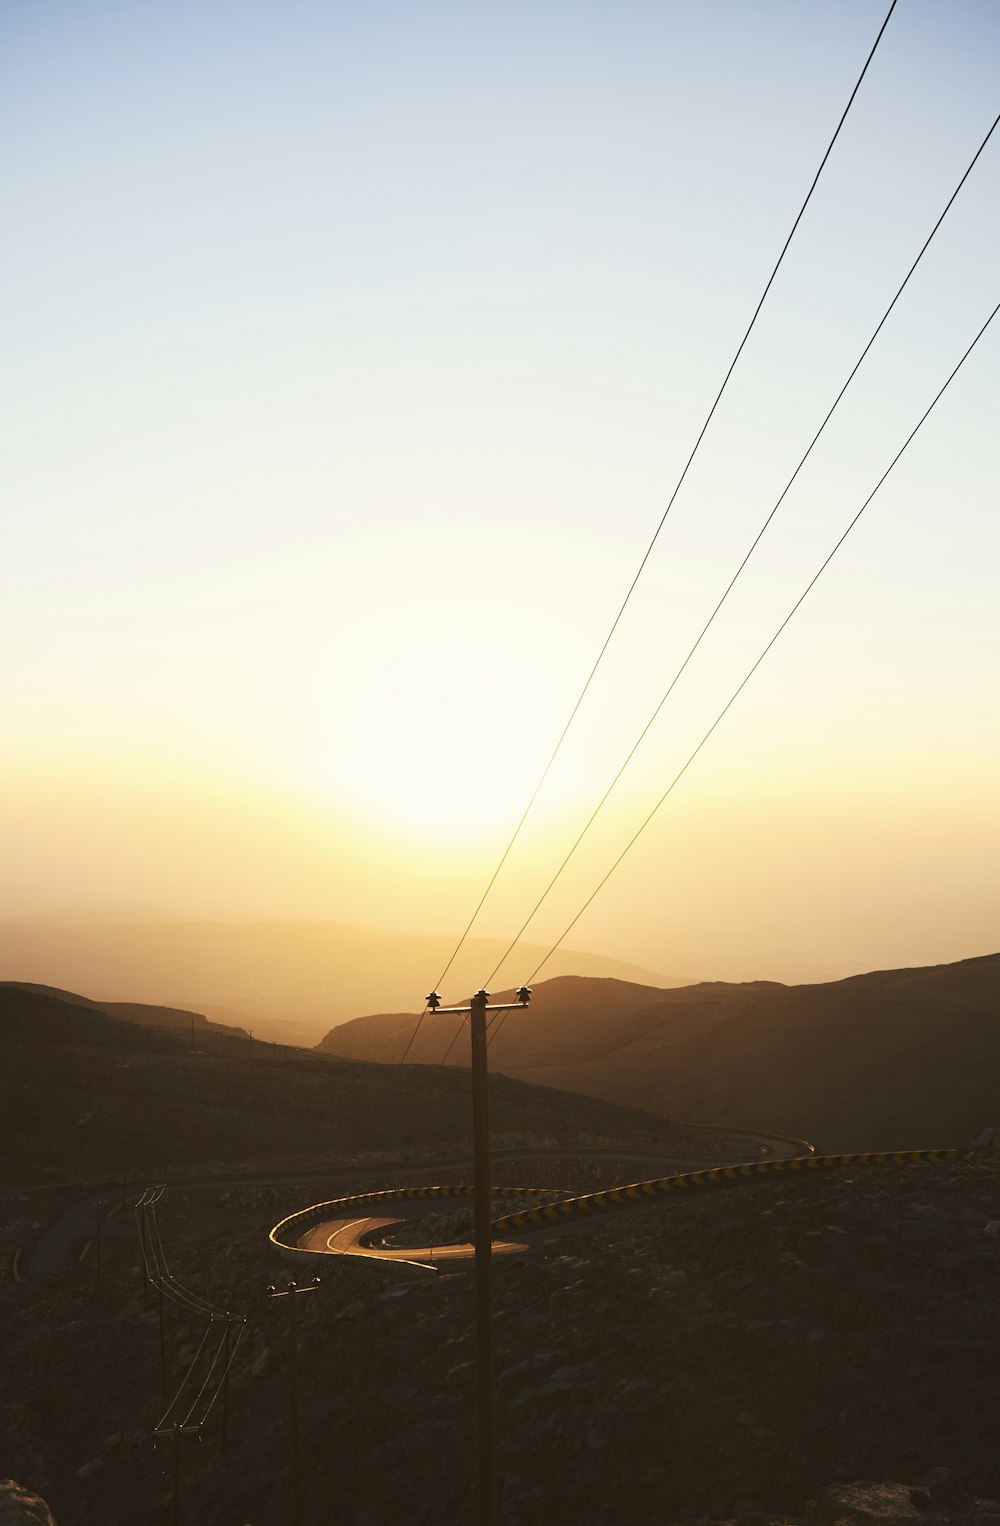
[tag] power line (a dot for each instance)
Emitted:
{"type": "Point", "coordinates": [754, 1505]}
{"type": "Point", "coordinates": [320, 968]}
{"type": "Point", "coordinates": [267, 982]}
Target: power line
{"type": "Point", "coordinates": [234, 1347]}
{"type": "Point", "coordinates": [420, 1019]}
{"type": "Point", "coordinates": [663, 519]}
{"type": "Point", "coordinates": [747, 677]}
{"type": "Point", "coordinates": [498, 1018]}
{"type": "Point", "coordinates": [748, 554]}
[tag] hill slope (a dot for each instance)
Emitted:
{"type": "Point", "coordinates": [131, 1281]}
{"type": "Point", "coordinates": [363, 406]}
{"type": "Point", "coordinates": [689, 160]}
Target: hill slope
{"type": "Point", "coordinates": [82, 1092]}
{"type": "Point", "coordinates": [876, 1061]}
{"type": "Point", "coordinates": [720, 1357]}
{"type": "Point", "coordinates": [142, 1013]}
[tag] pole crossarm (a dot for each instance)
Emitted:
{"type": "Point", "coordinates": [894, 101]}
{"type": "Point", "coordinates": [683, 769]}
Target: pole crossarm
{"type": "Point", "coordinates": [479, 1003]}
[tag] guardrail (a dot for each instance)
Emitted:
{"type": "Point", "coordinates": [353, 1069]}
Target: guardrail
{"type": "Point", "coordinates": [639, 1193]}
{"type": "Point", "coordinates": [285, 1235]}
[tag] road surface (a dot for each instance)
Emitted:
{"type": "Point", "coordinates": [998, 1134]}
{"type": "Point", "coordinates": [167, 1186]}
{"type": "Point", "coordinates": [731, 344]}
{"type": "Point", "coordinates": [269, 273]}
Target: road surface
{"type": "Point", "coordinates": [52, 1248]}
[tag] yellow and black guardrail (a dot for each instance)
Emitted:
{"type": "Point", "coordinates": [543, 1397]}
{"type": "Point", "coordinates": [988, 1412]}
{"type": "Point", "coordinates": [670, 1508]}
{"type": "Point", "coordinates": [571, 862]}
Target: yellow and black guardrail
{"type": "Point", "coordinates": [287, 1234]}
{"type": "Point", "coordinates": [639, 1194]}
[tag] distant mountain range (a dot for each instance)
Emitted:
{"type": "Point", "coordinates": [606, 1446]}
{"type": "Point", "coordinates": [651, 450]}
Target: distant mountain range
{"type": "Point", "coordinates": [289, 981]}
{"type": "Point", "coordinates": [878, 1061]}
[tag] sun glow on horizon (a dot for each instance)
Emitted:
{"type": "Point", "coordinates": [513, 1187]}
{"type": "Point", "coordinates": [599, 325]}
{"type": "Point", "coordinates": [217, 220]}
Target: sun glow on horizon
{"type": "Point", "coordinates": [440, 729]}
{"type": "Point", "coordinates": [336, 431]}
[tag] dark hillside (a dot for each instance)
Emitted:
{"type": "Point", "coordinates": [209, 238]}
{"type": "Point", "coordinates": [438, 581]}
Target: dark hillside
{"type": "Point", "coordinates": [139, 1012]}
{"type": "Point", "coordinates": [722, 1357]}
{"type": "Point", "coordinates": [82, 1093]}
{"type": "Point", "coordinates": [884, 1060]}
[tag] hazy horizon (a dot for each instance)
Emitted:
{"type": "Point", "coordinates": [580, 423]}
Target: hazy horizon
{"type": "Point", "coordinates": [20, 906]}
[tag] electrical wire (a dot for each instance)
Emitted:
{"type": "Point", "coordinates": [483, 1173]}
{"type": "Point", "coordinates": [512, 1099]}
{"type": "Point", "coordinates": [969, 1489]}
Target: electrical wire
{"type": "Point", "coordinates": [208, 1375]}
{"type": "Point", "coordinates": [454, 1040]}
{"type": "Point", "coordinates": [175, 1290]}
{"type": "Point", "coordinates": [747, 555]}
{"type": "Point", "coordinates": [234, 1347]}
{"type": "Point", "coordinates": [162, 1423]}
{"type": "Point", "coordinates": [498, 1013]}
{"type": "Point", "coordinates": [416, 1030]}
{"type": "Point", "coordinates": [746, 679]}
{"type": "Point", "coordinates": [155, 1261]}
{"type": "Point", "coordinates": [663, 518]}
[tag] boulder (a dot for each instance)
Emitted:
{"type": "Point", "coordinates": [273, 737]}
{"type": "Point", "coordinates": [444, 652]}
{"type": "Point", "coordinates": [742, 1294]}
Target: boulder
{"type": "Point", "coordinates": [19, 1507]}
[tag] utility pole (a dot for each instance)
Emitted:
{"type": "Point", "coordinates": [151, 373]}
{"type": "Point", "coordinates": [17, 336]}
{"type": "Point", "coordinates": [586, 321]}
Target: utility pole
{"type": "Point", "coordinates": [176, 1512]}
{"type": "Point", "coordinates": [249, 1043]}
{"type": "Point", "coordinates": [290, 1291]}
{"type": "Point", "coordinates": [482, 1237]}
{"type": "Point", "coordinates": [225, 1388]}
{"type": "Point", "coordinates": [163, 1347]}
{"type": "Point", "coordinates": [176, 1432]}
{"type": "Point", "coordinates": [140, 1223]}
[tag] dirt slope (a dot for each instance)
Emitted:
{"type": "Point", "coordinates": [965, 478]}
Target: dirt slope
{"type": "Point", "coordinates": [724, 1358]}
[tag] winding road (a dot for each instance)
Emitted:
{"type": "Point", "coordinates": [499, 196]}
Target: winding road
{"type": "Point", "coordinates": [336, 1227]}
{"type": "Point", "coordinates": [51, 1250]}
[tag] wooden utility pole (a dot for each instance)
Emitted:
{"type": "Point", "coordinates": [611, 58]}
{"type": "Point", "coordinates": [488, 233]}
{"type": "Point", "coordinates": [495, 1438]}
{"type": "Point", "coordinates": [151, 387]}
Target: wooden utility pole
{"type": "Point", "coordinates": [483, 1243]}
{"type": "Point", "coordinates": [175, 1433]}
{"type": "Point", "coordinates": [225, 1389]}
{"type": "Point", "coordinates": [163, 1345]}
{"type": "Point", "coordinates": [176, 1513]}
{"type": "Point", "coordinates": [290, 1291]}
{"type": "Point", "coordinates": [482, 1236]}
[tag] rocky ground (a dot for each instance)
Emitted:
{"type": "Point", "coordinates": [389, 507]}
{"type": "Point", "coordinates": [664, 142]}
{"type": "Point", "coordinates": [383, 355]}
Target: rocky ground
{"type": "Point", "coordinates": [729, 1355]}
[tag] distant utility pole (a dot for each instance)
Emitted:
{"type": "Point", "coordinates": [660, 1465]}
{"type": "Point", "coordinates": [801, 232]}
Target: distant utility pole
{"type": "Point", "coordinates": [289, 1291]}
{"type": "Point", "coordinates": [482, 1237]}
{"type": "Point", "coordinates": [175, 1433]}
{"type": "Point", "coordinates": [163, 1344]}
{"type": "Point", "coordinates": [225, 1388]}
{"type": "Point", "coordinates": [249, 1043]}
{"type": "Point", "coordinates": [175, 1515]}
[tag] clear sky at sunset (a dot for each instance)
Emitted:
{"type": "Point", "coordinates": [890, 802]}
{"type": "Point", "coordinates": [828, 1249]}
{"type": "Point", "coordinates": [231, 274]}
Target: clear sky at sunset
{"type": "Point", "coordinates": [350, 356]}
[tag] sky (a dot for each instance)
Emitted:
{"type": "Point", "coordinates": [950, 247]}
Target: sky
{"type": "Point", "coordinates": [351, 357]}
